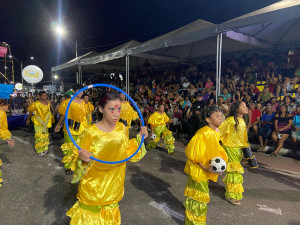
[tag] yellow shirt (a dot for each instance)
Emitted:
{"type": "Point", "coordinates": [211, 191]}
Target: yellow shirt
{"type": "Point", "coordinates": [103, 184]}
{"type": "Point", "coordinates": [201, 149]}
{"type": "Point", "coordinates": [89, 108]}
{"type": "Point", "coordinates": [77, 113]}
{"type": "Point", "coordinates": [231, 137]}
{"type": "Point", "coordinates": [41, 111]}
{"type": "Point", "coordinates": [4, 132]}
{"type": "Point", "coordinates": [127, 113]}
{"type": "Point", "coordinates": [157, 119]}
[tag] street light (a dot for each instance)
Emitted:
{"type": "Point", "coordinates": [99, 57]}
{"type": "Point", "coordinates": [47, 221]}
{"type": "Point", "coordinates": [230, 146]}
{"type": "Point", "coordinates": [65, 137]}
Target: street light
{"type": "Point", "coordinates": [21, 64]}
{"type": "Point", "coordinates": [55, 77]}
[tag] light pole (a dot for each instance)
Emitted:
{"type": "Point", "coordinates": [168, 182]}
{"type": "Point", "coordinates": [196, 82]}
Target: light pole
{"type": "Point", "coordinates": [21, 64]}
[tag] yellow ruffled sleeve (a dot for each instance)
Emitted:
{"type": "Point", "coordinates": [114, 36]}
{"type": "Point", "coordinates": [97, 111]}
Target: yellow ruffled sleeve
{"type": "Point", "coordinates": [195, 149]}
{"type": "Point", "coordinates": [133, 146]}
{"type": "Point", "coordinates": [80, 168]}
{"type": "Point", "coordinates": [226, 127]}
{"type": "Point", "coordinates": [92, 108]}
{"type": "Point", "coordinates": [63, 107]}
{"type": "Point", "coordinates": [4, 132]}
{"type": "Point", "coordinates": [31, 107]}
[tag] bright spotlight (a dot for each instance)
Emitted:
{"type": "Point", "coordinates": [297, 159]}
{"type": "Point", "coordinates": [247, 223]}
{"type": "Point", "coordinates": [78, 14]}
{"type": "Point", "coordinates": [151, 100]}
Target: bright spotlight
{"type": "Point", "coordinates": [60, 31]}
{"type": "Point", "coordinates": [55, 76]}
{"type": "Point", "coordinates": [32, 58]}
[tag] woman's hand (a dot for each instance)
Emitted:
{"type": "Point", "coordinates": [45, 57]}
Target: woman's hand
{"type": "Point", "coordinates": [84, 155]}
{"type": "Point", "coordinates": [57, 129]}
{"type": "Point", "coordinates": [27, 122]}
{"type": "Point", "coordinates": [10, 142]}
{"type": "Point", "coordinates": [144, 131]}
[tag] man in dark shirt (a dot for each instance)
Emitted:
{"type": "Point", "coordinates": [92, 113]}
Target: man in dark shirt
{"type": "Point", "coordinates": [198, 104]}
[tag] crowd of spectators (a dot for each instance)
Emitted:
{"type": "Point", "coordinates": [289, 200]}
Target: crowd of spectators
{"type": "Point", "coordinates": [269, 87]}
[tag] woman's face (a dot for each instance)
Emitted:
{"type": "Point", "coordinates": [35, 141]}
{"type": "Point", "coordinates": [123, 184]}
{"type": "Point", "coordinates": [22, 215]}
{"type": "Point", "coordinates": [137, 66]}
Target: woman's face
{"type": "Point", "coordinates": [111, 111]}
{"type": "Point", "coordinates": [211, 101]}
{"type": "Point", "coordinates": [273, 100]}
{"type": "Point", "coordinates": [243, 109]}
{"type": "Point", "coordinates": [282, 109]}
{"type": "Point", "coordinates": [287, 100]}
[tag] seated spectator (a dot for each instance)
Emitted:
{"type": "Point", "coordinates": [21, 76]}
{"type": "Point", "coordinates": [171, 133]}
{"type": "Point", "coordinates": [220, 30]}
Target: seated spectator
{"type": "Point", "coordinates": [254, 92]}
{"type": "Point", "coordinates": [282, 124]}
{"type": "Point", "coordinates": [192, 90]}
{"type": "Point", "coordinates": [265, 96]}
{"type": "Point", "coordinates": [177, 116]}
{"type": "Point", "coordinates": [296, 128]}
{"type": "Point", "coordinates": [221, 104]}
{"type": "Point", "coordinates": [198, 104]}
{"type": "Point", "coordinates": [266, 123]}
{"type": "Point", "coordinates": [254, 118]}
{"type": "Point", "coordinates": [246, 97]}
{"type": "Point", "coordinates": [209, 84]}
{"type": "Point", "coordinates": [287, 101]}
{"type": "Point", "coordinates": [226, 95]}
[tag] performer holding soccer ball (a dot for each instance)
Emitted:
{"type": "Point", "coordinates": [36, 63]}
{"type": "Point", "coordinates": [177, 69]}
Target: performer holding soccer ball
{"type": "Point", "coordinates": [201, 152]}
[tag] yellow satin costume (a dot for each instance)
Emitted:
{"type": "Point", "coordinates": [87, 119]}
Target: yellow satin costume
{"type": "Point", "coordinates": [42, 120]}
{"type": "Point", "coordinates": [159, 128]}
{"type": "Point", "coordinates": [201, 149]}
{"type": "Point", "coordinates": [89, 108]}
{"type": "Point", "coordinates": [77, 113]}
{"type": "Point", "coordinates": [102, 185]}
{"type": "Point", "coordinates": [4, 133]}
{"type": "Point", "coordinates": [128, 114]}
{"type": "Point", "coordinates": [234, 140]}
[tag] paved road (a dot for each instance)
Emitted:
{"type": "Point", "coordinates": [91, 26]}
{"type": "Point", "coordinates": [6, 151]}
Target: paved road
{"type": "Point", "coordinates": [36, 190]}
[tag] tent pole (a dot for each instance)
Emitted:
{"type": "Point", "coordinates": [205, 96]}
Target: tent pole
{"type": "Point", "coordinates": [128, 64]}
{"type": "Point", "coordinates": [217, 68]}
{"type": "Point", "coordinates": [220, 61]}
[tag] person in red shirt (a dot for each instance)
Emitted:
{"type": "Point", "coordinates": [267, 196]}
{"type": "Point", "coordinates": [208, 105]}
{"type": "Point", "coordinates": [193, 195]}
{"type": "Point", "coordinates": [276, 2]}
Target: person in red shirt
{"type": "Point", "coordinates": [254, 92]}
{"type": "Point", "coordinates": [255, 116]}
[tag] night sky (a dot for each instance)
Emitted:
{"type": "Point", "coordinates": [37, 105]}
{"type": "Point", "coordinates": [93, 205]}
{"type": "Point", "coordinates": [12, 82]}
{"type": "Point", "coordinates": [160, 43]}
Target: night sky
{"type": "Point", "coordinates": [26, 24]}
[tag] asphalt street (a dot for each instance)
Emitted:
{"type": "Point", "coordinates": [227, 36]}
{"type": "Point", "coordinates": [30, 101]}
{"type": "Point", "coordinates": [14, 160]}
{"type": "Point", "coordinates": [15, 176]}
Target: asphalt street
{"type": "Point", "coordinates": [36, 191]}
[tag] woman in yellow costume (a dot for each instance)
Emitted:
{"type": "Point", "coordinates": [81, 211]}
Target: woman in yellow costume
{"type": "Point", "coordinates": [234, 138]}
{"type": "Point", "coordinates": [89, 108]}
{"type": "Point", "coordinates": [158, 121]}
{"type": "Point", "coordinates": [4, 135]}
{"type": "Point", "coordinates": [127, 113]}
{"type": "Point", "coordinates": [201, 149]}
{"type": "Point", "coordinates": [76, 121]}
{"type": "Point", "coordinates": [42, 120]}
{"type": "Point", "coordinates": [101, 185]}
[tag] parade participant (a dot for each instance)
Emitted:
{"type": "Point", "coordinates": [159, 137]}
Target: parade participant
{"type": "Point", "coordinates": [234, 138]}
{"type": "Point", "coordinates": [127, 113]}
{"type": "Point", "coordinates": [4, 135]}
{"type": "Point", "coordinates": [159, 123]}
{"type": "Point", "coordinates": [42, 120]}
{"type": "Point", "coordinates": [202, 147]}
{"type": "Point", "coordinates": [89, 109]}
{"type": "Point", "coordinates": [77, 122]}
{"type": "Point", "coordinates": [101, 185]}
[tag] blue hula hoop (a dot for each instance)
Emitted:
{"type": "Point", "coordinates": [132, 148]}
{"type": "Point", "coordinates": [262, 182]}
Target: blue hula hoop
{"type": "Point", "coordinates": [118, 89]}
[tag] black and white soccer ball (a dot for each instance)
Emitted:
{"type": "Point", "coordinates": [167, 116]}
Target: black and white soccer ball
{"type": "Point", "coordinates": [153, 136]}
{"type": "Point", "coordinates": [218, 165]}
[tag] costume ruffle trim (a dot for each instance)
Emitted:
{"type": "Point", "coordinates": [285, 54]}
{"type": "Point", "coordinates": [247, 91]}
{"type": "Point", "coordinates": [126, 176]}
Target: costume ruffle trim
{"type": "Point", "coordinates": [234, 167]}
{"type": "Point", "coordinates": [41, 135]}
{"type": "Point", "coordinates": [168, 139]}
{"type": "Point", "coordinates": [5, 134]}
{"type": "Point", "coordinates": [197, 208]}
{"type": "Point", "coordinates": [199, 220]}
{"type": "Point", "coordinates": [134, 144]}
{"type": "Point", "coordinates": [233, 178]}
{"type": "Point", "coordinates": [106, 216]}
{"type": "Point", "coordinates": [197, 195]}
{"type": "Point", "coordinates": [234, 188]}
{"type": "Point", "coordinates": [236, 196]}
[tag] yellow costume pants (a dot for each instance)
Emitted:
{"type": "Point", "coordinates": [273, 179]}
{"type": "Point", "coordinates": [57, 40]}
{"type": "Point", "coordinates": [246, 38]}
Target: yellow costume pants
{"type": "Point", "coordinates": [94, 215]}
{"type": "Point", "coordinates": [197, 198]}
{"type": "Point", "coordinates": [67, 149]}
{"type": "Point", "coordinates": [166, 134]}
{"type": "Point", "coordinates": [234, 178]}
{"type": "Point", "coordinates": [41, 139]}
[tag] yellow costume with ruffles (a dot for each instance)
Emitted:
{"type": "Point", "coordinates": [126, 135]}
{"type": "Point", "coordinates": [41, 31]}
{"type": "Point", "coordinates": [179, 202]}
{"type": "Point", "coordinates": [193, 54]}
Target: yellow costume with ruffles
{"type": "Point", "coordinates": [42, 120]}
{"type": "Point", "coordinates": [128, 114]}
{"type": "Point", "coordinates": [201, 149]}
{"type": "Point", "coordinates": [77, 113]}
{"type": "Point", "coordinates": [4, 133]}
{"type": "Point", "coordinates": [159, 128]}
{"type": "Point", "coordinates": [89, 108]}
{"type": "Point", "coordinates": [101, 185]}
{"type": "Point", "coordinates": [234, 140]}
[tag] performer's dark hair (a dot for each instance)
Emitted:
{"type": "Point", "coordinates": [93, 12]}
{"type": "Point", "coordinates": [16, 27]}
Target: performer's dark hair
{"type": "Point", "coordinates": [76, 87]}
{"type": "Point", "coordinates": [42, 92]}
{"type": "Point", "coordinates": [234, 112]}
{"type": "Point", "coordinates": [108, 96]}
{"type": "Point", "coordinates": [208, 111]}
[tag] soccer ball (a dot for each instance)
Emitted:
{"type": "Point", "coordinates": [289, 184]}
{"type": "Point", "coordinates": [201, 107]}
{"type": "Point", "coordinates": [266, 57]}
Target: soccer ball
{"type": "Point", "coordinates": [218, 165]}
{"type": "Point", "coordinates": [153, 136]}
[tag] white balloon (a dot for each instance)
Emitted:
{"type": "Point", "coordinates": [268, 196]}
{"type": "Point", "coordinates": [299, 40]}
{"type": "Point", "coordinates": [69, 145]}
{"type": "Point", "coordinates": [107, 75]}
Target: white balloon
{"type": "Point", "coordinates": [18, 86]}
{"type": "Point", "coordinates": [32, 74]}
